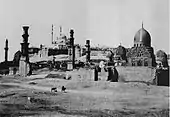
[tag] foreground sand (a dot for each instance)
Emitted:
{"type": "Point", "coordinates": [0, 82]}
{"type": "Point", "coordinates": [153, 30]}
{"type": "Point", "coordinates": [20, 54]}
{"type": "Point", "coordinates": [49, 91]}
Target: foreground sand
{"type": "Point", "coordinates": [83, 97]}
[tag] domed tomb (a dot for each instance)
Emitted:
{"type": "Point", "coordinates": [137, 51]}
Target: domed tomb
{"type": "Point", "coordinates": [161, 58]}
{"type": "Point", "coordinates": [120, 55]}
{"type": "Point", "coordinates": [142, 38]}
{"type": "Point", "coordinates": [141, 54]}
{"type": "Point", "coordinates": [121, 51]}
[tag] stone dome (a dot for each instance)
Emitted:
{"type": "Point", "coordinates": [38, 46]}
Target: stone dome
{"type": "Point", "coordinates": [142, 37]}
{"type": "Point", "coordinates": [120, 50]}
{"type": "Point", "coordinates": [162, 57]}
{"type": "Point", "coordinates": [161, 54]}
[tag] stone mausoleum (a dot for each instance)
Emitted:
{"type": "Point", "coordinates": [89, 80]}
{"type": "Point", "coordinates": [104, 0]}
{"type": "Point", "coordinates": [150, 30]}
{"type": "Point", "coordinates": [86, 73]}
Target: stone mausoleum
{"type": "Point", "coordinates": [141, 54]}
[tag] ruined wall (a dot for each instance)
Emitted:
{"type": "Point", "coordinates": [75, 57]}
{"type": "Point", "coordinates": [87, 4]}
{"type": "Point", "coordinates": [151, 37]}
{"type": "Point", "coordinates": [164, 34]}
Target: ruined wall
{"type": "Point", "coordinates": [136, 73]}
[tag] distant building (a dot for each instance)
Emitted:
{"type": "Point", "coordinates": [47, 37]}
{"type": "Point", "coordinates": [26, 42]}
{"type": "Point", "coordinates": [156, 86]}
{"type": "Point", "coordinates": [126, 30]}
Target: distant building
{"type": "Point", "coordinates": [61, 41]}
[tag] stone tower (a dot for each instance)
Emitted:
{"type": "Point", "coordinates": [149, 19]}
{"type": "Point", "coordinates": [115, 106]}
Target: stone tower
{"type": "Point", "coordinates": [24, 66]}
{"type": "Point", "coordinates": [71, 51]}
{"type": "Point", "coordinates": [6, 50]}
{"type": "Point", "coordinates": [87, 50]}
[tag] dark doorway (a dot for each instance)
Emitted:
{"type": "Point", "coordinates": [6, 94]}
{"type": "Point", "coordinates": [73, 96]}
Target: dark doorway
{"type": "Point", "coordinates": [139, 63]}
{"type": "Point", "coordinates": [133, 64]}
{"type": "Point", "coordinates": [145, 63]}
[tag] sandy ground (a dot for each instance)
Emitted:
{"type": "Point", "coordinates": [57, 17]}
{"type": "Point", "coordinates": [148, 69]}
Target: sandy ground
{"type": "Point", "coordinates": [83, 97]}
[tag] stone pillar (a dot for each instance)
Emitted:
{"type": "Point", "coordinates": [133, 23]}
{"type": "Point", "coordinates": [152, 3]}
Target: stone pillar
{"type": "Point", "coordinates": [24, 67]}
{"type": "Point", "coordinates": [6, 50]}
{"type": "Point", "coordinates": [87, 50]}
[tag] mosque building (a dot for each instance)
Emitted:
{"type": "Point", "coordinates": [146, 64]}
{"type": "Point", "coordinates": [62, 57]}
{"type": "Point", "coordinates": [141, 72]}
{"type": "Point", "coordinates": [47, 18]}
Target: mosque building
{"type": "Point", "coordinates": [141, 54]}
{"type": "Point", "coordinates": [61, 41]}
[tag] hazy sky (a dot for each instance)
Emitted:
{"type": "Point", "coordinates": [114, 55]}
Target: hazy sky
{"type": "Point", "coordinates": [105, 22]}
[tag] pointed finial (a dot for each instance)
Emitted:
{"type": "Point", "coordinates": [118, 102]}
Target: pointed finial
{"type": "Point", "coordinates": [142, 24]}
{"type": "Point", "coordinates": [120, 44]}
{"type": "Point", "coordinates": [52, 35]}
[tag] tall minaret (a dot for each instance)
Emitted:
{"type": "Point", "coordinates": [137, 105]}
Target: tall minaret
{"type": "Point", "coordinates": [52, 35]}
{"type": "Point", "coordinates": [60, 30]}
{"type": "Point", "coordinates": [6, 50]}
{"type": "Point", "coordinates": [24, 65]}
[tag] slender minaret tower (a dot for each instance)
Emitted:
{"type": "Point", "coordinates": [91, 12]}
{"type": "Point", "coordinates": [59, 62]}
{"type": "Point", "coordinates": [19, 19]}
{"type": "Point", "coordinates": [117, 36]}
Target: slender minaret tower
{"type": "Point", "coordinates": [72, 46]}
{"type": "Point", "coordinates": [52, 35]}
{"type": "Point", "coordinates": [87, 50]}
{"type": "Point", "coordinates": [60, 30]}
{"type": "Point", "coordinates": [6, 50]}
{"type": "Point", "coordinates": [24, 66]}
{"type": "Point", "coordinates": [71, 52]}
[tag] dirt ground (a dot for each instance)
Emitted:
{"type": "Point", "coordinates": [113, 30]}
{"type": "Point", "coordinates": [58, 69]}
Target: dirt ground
{"type": "Point", "coordinates": [83, 97]}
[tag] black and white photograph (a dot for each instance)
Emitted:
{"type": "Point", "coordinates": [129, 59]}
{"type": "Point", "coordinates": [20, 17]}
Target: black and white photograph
{"type": "Point", "coordinates": [84, 58]}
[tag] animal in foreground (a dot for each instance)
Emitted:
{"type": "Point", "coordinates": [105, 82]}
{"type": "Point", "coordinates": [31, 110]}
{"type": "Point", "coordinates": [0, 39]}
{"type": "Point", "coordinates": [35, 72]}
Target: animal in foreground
{"type": "Point", "coordinates": [63, 88]}
{"type": "Point", "coordinates": [54, 89]}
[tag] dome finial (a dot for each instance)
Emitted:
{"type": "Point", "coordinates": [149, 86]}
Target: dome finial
{"type": "Point", "coordinates": [142, 24]}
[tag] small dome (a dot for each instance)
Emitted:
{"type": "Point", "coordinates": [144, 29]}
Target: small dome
{"type": "Point", "coordinates": [161, 54]}
{"type": "Point", "coordinates": [143, 36]}
{"type": "Point", "coordinates": [120, 50]}
{"type": "Point", "coordinates": [162, 57]}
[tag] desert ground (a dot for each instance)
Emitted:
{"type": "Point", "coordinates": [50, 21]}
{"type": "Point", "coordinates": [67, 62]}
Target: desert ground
{"type": "Point", "coordinates": [83, 97]}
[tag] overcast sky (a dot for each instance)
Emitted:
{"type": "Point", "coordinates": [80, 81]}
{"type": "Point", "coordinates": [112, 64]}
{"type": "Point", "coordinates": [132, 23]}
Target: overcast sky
{"type": "Point", "coordinates": [105, 22]}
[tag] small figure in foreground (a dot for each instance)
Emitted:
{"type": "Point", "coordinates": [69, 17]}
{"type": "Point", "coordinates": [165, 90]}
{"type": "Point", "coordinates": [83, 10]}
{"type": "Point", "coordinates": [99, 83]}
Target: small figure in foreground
{"type": "Point", "coordinates": [63, 89]}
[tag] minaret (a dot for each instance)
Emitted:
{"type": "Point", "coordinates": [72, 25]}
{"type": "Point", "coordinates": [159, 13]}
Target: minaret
{"type": "Point", "coordinates": [72, 46]}
{"type": "Point", "coordinates": [71, 52]}
{"type": "Point", "coordinates": [24, 66]}
{"type": "Point", "coordinates": [87, 50]}
{"type": "Point", "coordinates": [60, 30]}
{"type": "Point", "coordinates": [52, 35]}
{"type": "Point", "coordinates": [6, 50]}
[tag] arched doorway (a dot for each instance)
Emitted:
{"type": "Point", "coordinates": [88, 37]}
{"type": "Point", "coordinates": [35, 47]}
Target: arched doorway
{"type": "Point", "coordinates": [145, 63]}
{"type": "Point", "coordinates": [139, 63]}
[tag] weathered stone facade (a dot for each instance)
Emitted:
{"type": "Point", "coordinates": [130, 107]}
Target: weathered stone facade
{"type": "Point", "coordinates": [140, 56]}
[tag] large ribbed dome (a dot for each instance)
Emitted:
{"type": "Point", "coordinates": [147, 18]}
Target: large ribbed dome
{"type": "Point", "coordinates": [143, 37]}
